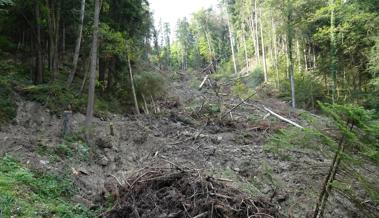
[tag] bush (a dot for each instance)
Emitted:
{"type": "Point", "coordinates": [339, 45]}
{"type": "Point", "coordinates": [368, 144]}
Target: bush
{"type": "Point", "coordinates": [149, 84]}
{"type": "Point", "coordinates": [307, 91]}
{"type": "Point", "coordinates": [255, 78]}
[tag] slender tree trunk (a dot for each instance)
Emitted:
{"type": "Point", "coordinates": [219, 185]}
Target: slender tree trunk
{"type": "Point", "coordinates": [289, 52]}
{"type": "Point", "coordinates": [298, 54]}
{"type": "Point", "coordinates": [78, 43]}
{"type": "Point", "coordinates": [306, 53]}
{"type": "Point", "coordinates": [133, 88]}
{"type": "Point", "coordinates": [86, 68]}
{"type": "Point", "coordinates": [252, 29]}
{"type": "Point", "coordinates": [38, 79]}
{"type": "Point", "coordinates": [53, 8]}
{"type": "Point", "coordinates": [263, 47]}
{"type": "Point", "coordinates": [209, 45]}
{"type": "Point", "coordinates": [245, 50]}
{"type": "Point", "coordinates": [256, 30]}
{"type": "Point", "coordinates": [56, 38]}
{"type": "Point", "coordinates": [231, 42]}
{"type": "Point", "coordinates": [92, 73]}
{"type": "Point", "coordinates": [333, 50]}
{"type": "Point", "coordinates": [51, 35]}
{"type": "Point", "coordinates": [275, 52]}
{"type": "Point", "coordinates": [314, 57]}
{"type": "Point", "coordinates": [63, 39]}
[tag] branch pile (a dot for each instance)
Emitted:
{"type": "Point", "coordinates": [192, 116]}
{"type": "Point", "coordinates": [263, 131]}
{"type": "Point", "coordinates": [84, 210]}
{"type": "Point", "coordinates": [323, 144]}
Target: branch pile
{"type": "Point", "coordinates": [164, 193]}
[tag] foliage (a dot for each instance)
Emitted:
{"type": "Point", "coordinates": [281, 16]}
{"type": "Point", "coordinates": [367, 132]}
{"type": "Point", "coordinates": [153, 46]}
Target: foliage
{"type": "Point", "coordinates": [150, 84]}
{"type": "Point", "coordinates": [308, 91]}
{"type": "Point", "coordinates": [24, 193]}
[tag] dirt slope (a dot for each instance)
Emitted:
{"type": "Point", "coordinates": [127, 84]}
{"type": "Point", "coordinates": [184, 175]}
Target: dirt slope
{"type": "Point", "coordinates": [181, 134]}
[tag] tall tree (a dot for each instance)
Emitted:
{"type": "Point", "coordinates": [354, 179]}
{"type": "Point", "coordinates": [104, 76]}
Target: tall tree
{"type": "Point", "coordinates": [231, 40]}
{"type": "Point", "coordinates": [289, 51]}
{"type": "Point", "coordinates": [38, 78]}
{"type": "Point", "coordinates": [78, 43]}
{"type": "Point", "coordinates": [92, 74]}
{"type": "Point", "coordinates": [333, 49]}
{"type": "Point", "coordinates": [263, 47]}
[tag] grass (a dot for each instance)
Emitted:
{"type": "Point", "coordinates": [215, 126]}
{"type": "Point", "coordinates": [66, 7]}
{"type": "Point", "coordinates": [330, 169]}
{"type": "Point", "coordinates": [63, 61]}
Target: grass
{"type": "Point", "coordinates": [28, 194]}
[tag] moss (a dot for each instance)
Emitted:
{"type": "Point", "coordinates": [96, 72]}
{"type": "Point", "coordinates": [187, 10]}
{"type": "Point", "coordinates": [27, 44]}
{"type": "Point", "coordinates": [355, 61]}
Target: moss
{"type": "Point", "coordinates": [24, 193]}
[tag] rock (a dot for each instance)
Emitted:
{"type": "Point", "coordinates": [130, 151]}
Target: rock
{"type": "Point", "coordinates": [44, 162]}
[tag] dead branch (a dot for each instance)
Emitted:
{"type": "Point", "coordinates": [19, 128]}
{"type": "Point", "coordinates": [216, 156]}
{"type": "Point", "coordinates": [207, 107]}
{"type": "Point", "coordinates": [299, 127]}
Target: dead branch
{"type": "Point", "coordinates": [282, 118]}
{"type": "Point", "coordinates": [204, 80]}
{"type": "Point", "coordinates": [235, 107]}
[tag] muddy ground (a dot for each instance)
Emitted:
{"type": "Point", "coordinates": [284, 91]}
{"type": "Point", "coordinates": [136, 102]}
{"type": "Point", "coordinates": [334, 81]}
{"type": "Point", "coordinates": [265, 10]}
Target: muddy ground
{"type": "Point", "coordinates": [182, 134]}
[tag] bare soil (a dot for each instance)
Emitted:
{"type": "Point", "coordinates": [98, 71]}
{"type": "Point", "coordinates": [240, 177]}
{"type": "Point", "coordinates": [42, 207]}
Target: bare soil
{"type": "Point", "coordinates": [186, 134]}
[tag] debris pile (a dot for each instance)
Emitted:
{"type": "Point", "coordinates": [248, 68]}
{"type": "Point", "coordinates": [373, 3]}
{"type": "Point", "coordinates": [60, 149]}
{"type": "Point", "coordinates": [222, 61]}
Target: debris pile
{"type": "Point", "coordinates": [176, 193]}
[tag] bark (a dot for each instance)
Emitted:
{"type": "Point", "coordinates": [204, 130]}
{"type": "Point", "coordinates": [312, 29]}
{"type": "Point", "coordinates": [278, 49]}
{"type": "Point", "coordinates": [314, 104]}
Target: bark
{"type": "Point", "coordinates": [245, 51]}
{"type": "Point", "coordinates": [78, 43]}
{"type": "Point", "coordinates": [275, 52]}
{"type": "Point", "coordinates": [63, 39]}
{"type": "Point", "coordinates": [252, 29]}
{"type": "Point", "coordinates": [92, 73]}
{"type": "Point", "coordinates": [231, 42]}
{"type": "Point", "coordinates": [256, 31]}
{"type": "Point", "coordinates": [38, 78]}
{"type": "Point", "coordinates": [289, 52]}
{"type": "Point", "coordinates": [133, 88]}
{"type": "Point", "coordinates": [53, 9]}
{"type": "Point", "coordinates": [263, 47]}
{"type": "Point", "coordinates": [298, 54]}
{"type": "Point", "coordinates": [333, 50]}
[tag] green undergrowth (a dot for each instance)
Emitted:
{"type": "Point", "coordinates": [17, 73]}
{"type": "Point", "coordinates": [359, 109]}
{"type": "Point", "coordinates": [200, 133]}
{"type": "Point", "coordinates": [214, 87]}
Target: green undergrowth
{"type": "Point", "coordinates": [72, 148]}
{"type": "Point", "coordinates": [15, 79]}
{"type": "Point", "coordinates": [24, 193]}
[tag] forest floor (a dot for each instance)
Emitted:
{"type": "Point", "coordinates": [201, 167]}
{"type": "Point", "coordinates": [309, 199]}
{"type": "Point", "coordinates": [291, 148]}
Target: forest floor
{"type": "Point", "coordinates": [241, 150]}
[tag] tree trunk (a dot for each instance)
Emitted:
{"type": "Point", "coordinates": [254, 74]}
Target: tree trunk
{"type": "Point", "coordinates": [92, 73]}
{"type": "Point", "coordinates": [245, 50]}
{"type": "Point", "coordinates": [289, 52]}
{"type": "Point", "coordinates": [275, 52]}
{"type": "Point", "coordinates": [77, 46]}
{"type": "Point", "coordinates": [63, 39]}
{"type": "Point", "coordinates": [133, 88]}
{"type": "Point", "coordinates": [298, 54]}
{"type": "Point", "coordinates": [333, 50]}
{"type": "Point", "coordinates": [263, 47]}
{"type": "Point", "coordinates": [256, 31]}
{"type": "Point", "coordinates": [38, 78]}
{"type": "Point", "coordinates": [231, 42]}
{"type": "Point", "coordinates": [252, 29]}
{"type": "Point", "coordinates": [53, 8]}
{"type": "Point", "coordinates": [56, 38]}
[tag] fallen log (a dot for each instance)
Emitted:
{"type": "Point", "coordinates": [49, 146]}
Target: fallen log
{"type": "Point", "coordinates": [282, 118]}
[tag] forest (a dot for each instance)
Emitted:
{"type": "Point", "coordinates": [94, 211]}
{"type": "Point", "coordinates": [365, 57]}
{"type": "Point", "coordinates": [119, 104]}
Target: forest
{"type": "Point", "coordinates": [249, 108]}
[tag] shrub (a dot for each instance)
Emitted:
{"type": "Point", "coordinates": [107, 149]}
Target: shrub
{"type": "Point", "coordinates": [307, 91]}
{"type": "Point", "coordinates": [149, 84]}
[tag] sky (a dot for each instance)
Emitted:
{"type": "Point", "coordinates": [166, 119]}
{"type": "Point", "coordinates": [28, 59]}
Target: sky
{"type": "Point", "coordinates": [171, 10]}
